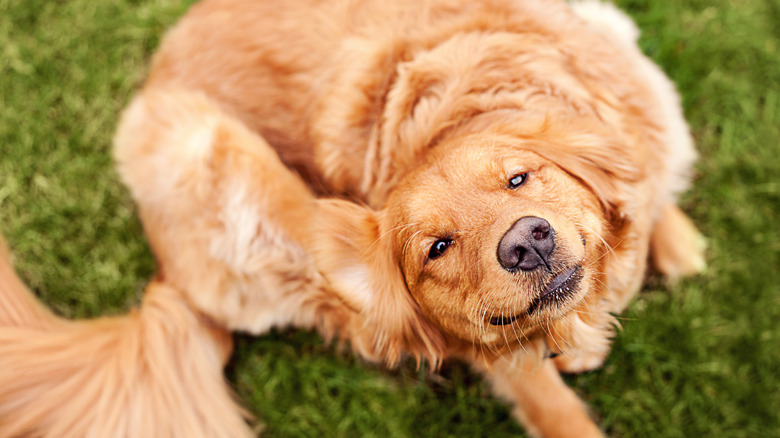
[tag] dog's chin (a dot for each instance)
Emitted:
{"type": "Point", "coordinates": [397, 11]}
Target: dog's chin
{"type": "Point", "coordinates": [554, 300]}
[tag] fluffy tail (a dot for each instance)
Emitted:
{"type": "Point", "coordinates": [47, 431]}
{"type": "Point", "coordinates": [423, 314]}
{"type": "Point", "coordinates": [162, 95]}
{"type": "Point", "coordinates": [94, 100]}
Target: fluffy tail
{"type": "Point", "coordinates": [18, 307]}
{"type": "Point", "coordinates": [155, 372]}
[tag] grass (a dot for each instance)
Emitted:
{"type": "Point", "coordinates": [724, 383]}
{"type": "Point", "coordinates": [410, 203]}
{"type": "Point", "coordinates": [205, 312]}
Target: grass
{"type": "Point", "coordinates": [697, 359]}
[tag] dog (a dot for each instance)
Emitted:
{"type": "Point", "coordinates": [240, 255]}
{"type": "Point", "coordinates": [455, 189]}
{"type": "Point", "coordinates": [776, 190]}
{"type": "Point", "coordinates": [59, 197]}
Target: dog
{"type": "Point", "coordinates": [432, 179]}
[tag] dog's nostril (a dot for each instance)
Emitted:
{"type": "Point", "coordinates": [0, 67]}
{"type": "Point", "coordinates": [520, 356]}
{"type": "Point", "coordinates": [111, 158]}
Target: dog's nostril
{"type": "Point", "coordinates": [527, 245]}
{"type": "Point", "coordinates": [519, 253]}
{"type": "Point", "coordinates": [541, 232]}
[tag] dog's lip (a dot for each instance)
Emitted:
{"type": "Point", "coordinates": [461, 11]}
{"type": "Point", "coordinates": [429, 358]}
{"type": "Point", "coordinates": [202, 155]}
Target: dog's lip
{"type": "Point", "coordinates": [503, 320]}
{"type": "Point", "coordinates": [559, 287]}
{"type": "Point", "coordinates": [559, 281]}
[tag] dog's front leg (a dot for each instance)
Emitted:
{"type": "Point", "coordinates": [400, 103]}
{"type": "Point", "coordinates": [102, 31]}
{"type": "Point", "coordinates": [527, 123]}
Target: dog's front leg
{"type": "Point", "coordinates": [541, 400]}
{"type": "Point", "coordinates": [226, 219]}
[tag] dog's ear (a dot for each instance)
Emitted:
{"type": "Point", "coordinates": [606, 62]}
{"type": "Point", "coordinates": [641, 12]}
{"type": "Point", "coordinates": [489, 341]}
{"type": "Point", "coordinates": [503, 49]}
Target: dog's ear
{"type": "Point", "coordinates": [355, 253]}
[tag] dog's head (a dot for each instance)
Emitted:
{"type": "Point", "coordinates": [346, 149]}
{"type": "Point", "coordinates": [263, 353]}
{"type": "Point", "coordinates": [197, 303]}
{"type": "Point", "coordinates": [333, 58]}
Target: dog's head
{"type": "Point", "coordinates": [491, 235]}
{"type": "Point", "coordinates": [502, 176]}
{"type": "Point", "coordinates": [495, 237]}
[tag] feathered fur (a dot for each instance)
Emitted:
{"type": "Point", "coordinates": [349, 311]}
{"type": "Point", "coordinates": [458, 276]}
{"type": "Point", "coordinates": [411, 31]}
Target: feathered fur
{"type": "Point", "coordinates": [156, 372]}
{"type": "Point", "coordinates": [295, 164]}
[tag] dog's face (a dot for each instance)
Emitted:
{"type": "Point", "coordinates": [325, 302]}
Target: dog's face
{"type": "Point", "coordinates": [490, 238]}
{"type": "Point", "coordinates": [494, 241]}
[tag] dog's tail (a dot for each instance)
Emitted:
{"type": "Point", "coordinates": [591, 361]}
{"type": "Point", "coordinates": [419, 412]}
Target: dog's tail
{"type": "Point", "coordinates": [155, 372]}
{"type": "Point", "coordinates": [18, 307]}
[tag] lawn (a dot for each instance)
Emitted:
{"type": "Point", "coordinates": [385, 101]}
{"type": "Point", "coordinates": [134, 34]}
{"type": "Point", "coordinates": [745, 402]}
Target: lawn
{"type": "Point", "coordinates": [701, 358]}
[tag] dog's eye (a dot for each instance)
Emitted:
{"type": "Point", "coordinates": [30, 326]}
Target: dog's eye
{"type": "Point", "coordinates": [438, 248]}
{"type": "Point", "coordinates": [517, 180]}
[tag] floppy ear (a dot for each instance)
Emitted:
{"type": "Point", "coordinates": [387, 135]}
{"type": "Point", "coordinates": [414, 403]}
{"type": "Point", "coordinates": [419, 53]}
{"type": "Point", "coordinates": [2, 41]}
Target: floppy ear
{"type": "Point", "coordinates": [357, 257]}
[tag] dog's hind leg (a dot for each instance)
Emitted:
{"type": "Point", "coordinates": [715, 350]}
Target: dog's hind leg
{"type": "Point", "coordinates": [226, 219]}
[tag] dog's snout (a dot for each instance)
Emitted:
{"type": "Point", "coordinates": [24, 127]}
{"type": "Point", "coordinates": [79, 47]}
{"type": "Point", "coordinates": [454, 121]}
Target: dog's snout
{"type": "Point", "coordinates": [527, 245]}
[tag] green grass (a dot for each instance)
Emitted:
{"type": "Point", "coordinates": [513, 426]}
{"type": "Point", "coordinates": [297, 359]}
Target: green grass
{"type": "Point", "coordinates": [698, 359]}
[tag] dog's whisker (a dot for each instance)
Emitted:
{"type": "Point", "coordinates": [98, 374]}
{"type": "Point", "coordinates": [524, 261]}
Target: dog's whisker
{"type": "Point", "coordinates": [386, 233]}
{"type": "Point", "coordinates": [608, 248]}
{"type": "Point", "coordinates": [554, 334]}
{"type": "Point", "coordinates": [408, 241]}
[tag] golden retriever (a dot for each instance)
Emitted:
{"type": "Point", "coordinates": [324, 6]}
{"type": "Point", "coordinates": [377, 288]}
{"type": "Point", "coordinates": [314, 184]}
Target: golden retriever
{"type": "Point", "coordinates": [429, 178]}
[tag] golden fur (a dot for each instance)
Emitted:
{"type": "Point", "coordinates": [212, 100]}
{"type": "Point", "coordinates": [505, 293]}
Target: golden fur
{"type": "Point", "coordinates": [156, 372]}
{"type": "Point", "coordinates": [296, 165]}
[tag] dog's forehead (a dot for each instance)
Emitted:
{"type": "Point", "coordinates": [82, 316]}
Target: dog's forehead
{"type": "Point", "coordinates": [452, 181]}
{"type": "Point", "coordinates": [462, 179]}
{"type": "Point", "coordinates": [458, 165]}
{"type": "Point", "coordinates": [467, 156]}
{"type": "Point", "coordinates": [482, 154]}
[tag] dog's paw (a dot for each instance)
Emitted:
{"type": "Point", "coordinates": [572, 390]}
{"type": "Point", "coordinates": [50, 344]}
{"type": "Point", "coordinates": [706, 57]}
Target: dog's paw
{"type": "Point", "coordinates": [677, 247]}
{"type": "Point", "coordinates": [577, 362]}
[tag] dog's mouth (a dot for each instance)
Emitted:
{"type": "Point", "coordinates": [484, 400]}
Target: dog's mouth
{"type": "Point", "coordinates": [560, 288]}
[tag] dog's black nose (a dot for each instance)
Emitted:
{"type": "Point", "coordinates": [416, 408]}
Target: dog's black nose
{"type": "Point", "coordinates": [527, 245]}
